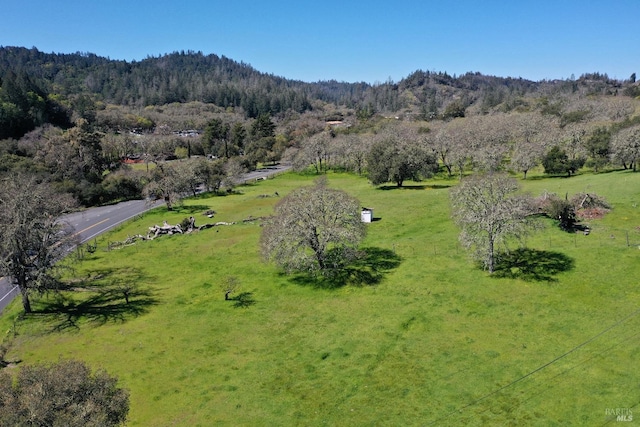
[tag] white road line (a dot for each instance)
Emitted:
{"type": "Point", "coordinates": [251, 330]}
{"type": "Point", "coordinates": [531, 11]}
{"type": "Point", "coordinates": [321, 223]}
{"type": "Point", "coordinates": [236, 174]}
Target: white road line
{"type": "Point", "coordinates": [9, 293]}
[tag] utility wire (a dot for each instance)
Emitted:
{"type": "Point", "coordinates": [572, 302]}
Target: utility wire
{"type": "Point", "coordinates": [480, 399]}
{"type": "Point", "coordinates": [583, 362]}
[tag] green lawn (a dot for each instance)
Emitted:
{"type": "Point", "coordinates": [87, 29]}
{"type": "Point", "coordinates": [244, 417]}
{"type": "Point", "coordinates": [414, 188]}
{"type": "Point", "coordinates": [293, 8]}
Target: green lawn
{"type": "Point", "coordinates": [436, 342]}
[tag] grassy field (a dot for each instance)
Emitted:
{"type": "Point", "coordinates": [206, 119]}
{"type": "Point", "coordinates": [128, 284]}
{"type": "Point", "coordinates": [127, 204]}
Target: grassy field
{"type": "Point", "coordinates": [435, 341]}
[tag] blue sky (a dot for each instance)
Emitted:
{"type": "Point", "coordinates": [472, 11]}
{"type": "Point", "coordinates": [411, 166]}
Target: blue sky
{"type": "Point", "coordinates": [353, 41]}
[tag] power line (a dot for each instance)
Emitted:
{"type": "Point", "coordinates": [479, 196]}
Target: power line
{"type": "Point", "coordinates": [480, 399]}
{"type": "Point", "coordinates": [593, 356]}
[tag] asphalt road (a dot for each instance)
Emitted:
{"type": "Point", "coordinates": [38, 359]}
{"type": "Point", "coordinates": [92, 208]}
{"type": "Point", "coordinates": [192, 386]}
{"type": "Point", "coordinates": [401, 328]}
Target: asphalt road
{"type": "Point", "coordinates": [92, 222]}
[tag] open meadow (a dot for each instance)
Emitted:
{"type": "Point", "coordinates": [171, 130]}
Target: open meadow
{"type": "Point", "coordinates": [426, 338]}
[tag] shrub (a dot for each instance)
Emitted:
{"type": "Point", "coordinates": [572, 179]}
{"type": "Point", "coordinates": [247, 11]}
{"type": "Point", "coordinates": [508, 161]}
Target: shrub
{"type": "Point", "coordinates": [62, 394]}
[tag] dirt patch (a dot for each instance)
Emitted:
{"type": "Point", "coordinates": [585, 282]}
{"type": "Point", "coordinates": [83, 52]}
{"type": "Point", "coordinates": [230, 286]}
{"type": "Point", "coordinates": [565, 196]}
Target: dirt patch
{"type": "Point", "coordinates": [591, 213]}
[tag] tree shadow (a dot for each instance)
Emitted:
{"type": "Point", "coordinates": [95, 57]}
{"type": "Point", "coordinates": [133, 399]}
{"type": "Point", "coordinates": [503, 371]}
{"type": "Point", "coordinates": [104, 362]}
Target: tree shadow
{"type": "Point", "coordinates": [368, 269]}
{"type": "Point", "coordinates": [532, 265]}
{"type": "Point", "coordinates": [190, 209]}
{"type": "Point", "coordinates": [415, 187]}
{"type": "Point", "coordinates": [403, 187]}
{"type": "Point", "coordinates": [579, 228]}
{"type": "Point", "coordinates": [243, 300]}
{"type": "Point", "coordinates": [106, 295]}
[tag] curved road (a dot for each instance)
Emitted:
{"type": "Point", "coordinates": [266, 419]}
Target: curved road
{"type": "Point", "coordinates": [95, 221]}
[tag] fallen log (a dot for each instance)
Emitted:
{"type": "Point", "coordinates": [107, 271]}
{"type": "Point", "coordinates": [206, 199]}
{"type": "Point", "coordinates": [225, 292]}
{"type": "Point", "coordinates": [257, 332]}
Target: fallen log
{"type": "Point", "coordinates": [166, 228]}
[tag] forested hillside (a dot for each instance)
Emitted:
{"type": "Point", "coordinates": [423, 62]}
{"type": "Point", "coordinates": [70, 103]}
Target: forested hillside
{"type": "Point", "coordinates": [192, 76]}
{"type": "Point", "coordinates": [78, 119]}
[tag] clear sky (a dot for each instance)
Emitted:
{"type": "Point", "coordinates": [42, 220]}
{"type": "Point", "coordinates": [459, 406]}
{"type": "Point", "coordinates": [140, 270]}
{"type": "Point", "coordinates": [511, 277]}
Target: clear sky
{"type": "Point", "coordinates": [352, 41]}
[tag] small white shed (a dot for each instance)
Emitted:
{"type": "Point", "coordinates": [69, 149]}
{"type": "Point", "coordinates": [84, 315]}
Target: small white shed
{"type": "Point", "coordinates": [366, 215]}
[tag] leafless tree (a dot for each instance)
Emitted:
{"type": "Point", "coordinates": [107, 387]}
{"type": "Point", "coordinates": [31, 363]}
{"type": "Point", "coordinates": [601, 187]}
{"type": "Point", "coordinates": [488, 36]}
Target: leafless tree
{"type": "Point", "coordinates": [489, 141]}
{"type": "Point", "coordinates": [169, 181]}
{"type": "Point", "coordinates": [229, 286]}
{"type": "Point", "coordinates": [489, 214]}
{"type": "Point", "coordinates": [350, 151]}
{"type": "Point", "coordinates": [234, 172]}
{"type": "Point", "coordinates": [573, 141]}
{"type": "Point", "coordinates": [532, 133]}
{"type": "Point", "coordinates": [459, 135]}
{"type": "Point", "coordinates": [625, 147]}
{"type": "Point", "coordinates": [314, 151]}
{"type": "Point", "coordinates": [313, 229]}
{"type": "Point", "coordinates": [614, 108]}
{"type": "Point", "coordinates": [443, 143]}
{"type": "Point", "coordinates": [32, 237]}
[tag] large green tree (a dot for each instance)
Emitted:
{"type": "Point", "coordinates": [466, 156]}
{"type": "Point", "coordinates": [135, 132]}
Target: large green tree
{"type": "Point", "coordinates": [24, 105]}
{"type": "Point", "coordinates": [556, 161]}
{"type": "Point", "coordinates": [598, 145]}
{"type": "Point", "coordinates": [262, 138]}
{"type": "Point", "coordinates": [394, 159]}
{"type": "Point", "coordinates": [238, 137]}
{"type": "Point", "coordinates": [216, 138]}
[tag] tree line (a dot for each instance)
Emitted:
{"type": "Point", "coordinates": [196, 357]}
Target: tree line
{"type": "Point", "coordinates": [395, 151]}
{"type": "Point", "coordinates": [177, 77]}
{"type": "Point", "coordinates": [192, 76]}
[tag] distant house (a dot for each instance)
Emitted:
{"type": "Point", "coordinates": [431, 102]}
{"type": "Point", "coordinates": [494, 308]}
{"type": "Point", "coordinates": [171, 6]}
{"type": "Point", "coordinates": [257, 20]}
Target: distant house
{"type": "Point", "coordinates": [189, 133]}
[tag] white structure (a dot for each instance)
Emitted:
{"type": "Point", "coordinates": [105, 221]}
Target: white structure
{"type": "Point", "coordinates": [366, 215]}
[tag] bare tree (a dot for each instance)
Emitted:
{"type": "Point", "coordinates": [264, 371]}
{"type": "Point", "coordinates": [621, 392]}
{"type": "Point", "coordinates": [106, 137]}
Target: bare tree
{"type": "Point", "coordinates": [625, 147]}
{"type": "Point", "coordinates": [463, 139]}
{"type": "Point", "coordinates": [532, 133]}
{"type": "Point", "coordinates": [356, 151]}
{"type": "Point", "coordinates": [314, 229]}
{"type": "Point", "coordinates": [613, 108]}
{"type": "Point", "coordinates": [170, 181]}
{"type": "Point", "coordinates": [573, 141]}
{"type": "Point", "coordinates": [489, 142]}
{"type": "Point", "coordinates": [209, 173]}
{"type": "Point", "coordinates": [444, 144]}
{"type": "Point", "coordinates": [234, 172]}
{"type": "Point", "coordinates": [489, 213]}
{"type": "Point", "coordinates": [32, 237]}
{"type": "Point", "coordinates": [314, 151]}
{"type": "Point", "coordinates": [230, 285]}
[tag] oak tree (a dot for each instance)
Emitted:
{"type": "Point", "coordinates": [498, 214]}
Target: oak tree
{"type": "Point", "coordinates": [314, 229]}
{"type": "Point", "coordinates": [532, 132]}
{"type": "Point", "coordinates": [170, 181]}
{"type": "Point", "coordinates": [399, 155]}
{"type": "Point", "coordinates": [32, 236]}
{"type": "Point", "coordinates": [490, 213]}
{"type": "Point", "coordinates": [66, 393]}
{"type": "Point", "coordinates": [625, 147]}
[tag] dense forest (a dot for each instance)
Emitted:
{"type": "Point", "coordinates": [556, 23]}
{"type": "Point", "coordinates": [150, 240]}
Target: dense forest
{"type": "Point", "coordinates": [78, 119]}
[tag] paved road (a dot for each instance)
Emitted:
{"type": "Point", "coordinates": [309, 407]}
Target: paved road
{"type": "Point", "coordinates": [95, 221]}
{"type": "Point", "coordinates": [88, 224]}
